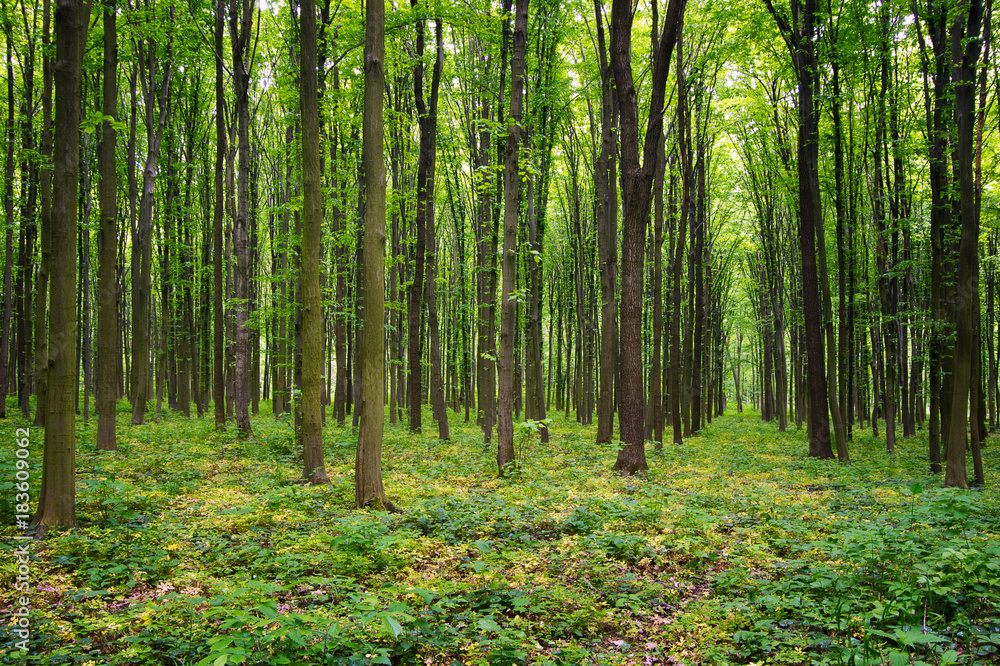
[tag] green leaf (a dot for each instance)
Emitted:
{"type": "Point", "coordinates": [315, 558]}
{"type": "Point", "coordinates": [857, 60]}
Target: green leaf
{"type": "Point", "coordinates": [488, 624]}
{"type": "Point", "coordinates": [393, 625]}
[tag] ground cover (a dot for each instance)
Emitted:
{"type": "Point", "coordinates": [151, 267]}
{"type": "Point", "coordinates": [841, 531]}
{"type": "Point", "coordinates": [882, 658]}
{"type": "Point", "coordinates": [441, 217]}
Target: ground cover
{"type": "Point", "coordinates": [196, 548]}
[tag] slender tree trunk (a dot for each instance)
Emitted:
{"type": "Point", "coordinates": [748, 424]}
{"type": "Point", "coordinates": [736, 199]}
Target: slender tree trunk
{"type": "Point", "coordinates": [107, 297]}
{"type": "Point", "coordinates": [218, 316]}
{"type": "Point", "coordinates": [606, 220]}
{"type": "Point", "coordinates": [800, 37]}
{"type": "Point", "coordinates": [240, 27]}
{"type": "Point", "coordinates": [368, 489]}
{"type": "Point", "coordinates": [508, 304]}
{"type": "Point", "coordinates": [9, 223]}
{"type": "Point", "coordinates": [427, 117]}
{"type": "Point", "coordinates": [142, 283]}
{"type": "Point", "coordinates": [45, 183]}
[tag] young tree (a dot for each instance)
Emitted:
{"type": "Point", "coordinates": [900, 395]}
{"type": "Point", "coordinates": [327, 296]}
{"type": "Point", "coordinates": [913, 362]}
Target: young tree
{"type": "Point", "coordinates": [56, 505]}
{"type": "Point", "coordinates": [241, 13]}
{"type": "Point", "coordinates": [508, 302]}
{"type": "Point", "coordinates": [218, 346]}
{"type": "Point", "coordinates": [9, 223]}
{"type": "Point", "coordinates": [107, 288]}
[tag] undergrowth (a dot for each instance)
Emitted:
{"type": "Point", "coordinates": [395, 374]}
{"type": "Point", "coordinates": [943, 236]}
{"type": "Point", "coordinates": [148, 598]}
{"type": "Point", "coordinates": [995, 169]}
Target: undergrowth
{"type": "Point", "coordinates": [194, 547]}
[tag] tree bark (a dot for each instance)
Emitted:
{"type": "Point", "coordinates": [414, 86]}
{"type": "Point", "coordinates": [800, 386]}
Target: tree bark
{"type": "Point", "coordinates": [508, 303]}
{"type": "Point", "coordinates": [312, 219]}
{"type": "Point", "coordinates": [143, 241]}
{"type": "Point", "coordinates": [637, 181]}
{"type": "Point", "coordinates": [107, 297]}
{"type": "Point", "coordinates": [606, 219]}
{"type": "Point", "coordinates": [800, 38]}
{"type": "Point", "coordinates": [56, 506]}
{"type": "Point", "coordinates": [368, 488]}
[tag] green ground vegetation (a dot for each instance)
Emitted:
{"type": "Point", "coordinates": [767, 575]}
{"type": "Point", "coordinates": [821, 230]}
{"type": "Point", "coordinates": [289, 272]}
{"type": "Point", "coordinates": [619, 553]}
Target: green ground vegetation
{"type": "Point", "coordinates": [197, 548]}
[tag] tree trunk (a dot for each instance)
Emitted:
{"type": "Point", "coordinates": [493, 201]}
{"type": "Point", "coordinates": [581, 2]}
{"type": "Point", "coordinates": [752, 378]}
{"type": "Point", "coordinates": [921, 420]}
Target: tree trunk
{"type": "Point", "coordinates": [56, 505]}
{"type": "Point", "coordinates": [800, 39]}
{"type": "Point", "coordinates": [218, 316]}
{"type": "Point", "coordinates": [240, 26]}
{"type": "Point", "coordinates": [312, 219]}
{"type": "Point", "coordinates": [9, 222]}
{"type": "Point", "coordinates": [143, 241]}
{"type": "Point", "coordinates": [427, 117]}
{"type": "Point", "coordinates": [637, 181]}
{"type": "Point", "coordinates": [508, 303]}
{"type": "Point", "coordinates": [606, 220]}
{"type": "Point", "coordinates": [107, 292]}
{"type": "Point", "coordinates": [368, 489]}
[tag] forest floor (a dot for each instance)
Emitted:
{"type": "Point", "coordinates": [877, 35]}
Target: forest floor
{"type": "Point", "coordinates": [196, 548]}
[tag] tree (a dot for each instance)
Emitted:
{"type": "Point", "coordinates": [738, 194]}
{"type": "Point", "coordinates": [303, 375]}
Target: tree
{"type": "Point", "coordinates": [312, 218]}
{"type": "Point", "coordinates": [368, 488]}
{"type": "Point", "coordinates": [637, 181]}
{"type": "Point", "coordinates": [508, 301]}
{"type": "Point", "coordinates": [800, 38]}
{"type": "Point", "coordinates": [9, 223]}
{"type": "Point", "coordinates": [142, 236]}
{"type": "Point", "coordinates": [218, 347]}
{"type": "Point", "coordinates": [606, 216]}
{"type": "Point", "coordinates": [241, 14]}
{"type": "Point", "coordinates": [56, 504]}
{"type": "Point", "coordinates": [107, 288]}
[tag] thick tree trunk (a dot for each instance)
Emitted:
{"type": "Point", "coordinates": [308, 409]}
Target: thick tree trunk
{"type": "Point", "coordinates": [56, 505]}
{"type": "Point", "coordinates": [312, 219]}
{"type": "Point", "coordinates": [637, 181]}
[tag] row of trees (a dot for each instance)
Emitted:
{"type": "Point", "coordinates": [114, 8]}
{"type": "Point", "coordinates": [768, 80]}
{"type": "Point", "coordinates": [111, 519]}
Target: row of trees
{"type": "Point", "coordinates": [438, 221]}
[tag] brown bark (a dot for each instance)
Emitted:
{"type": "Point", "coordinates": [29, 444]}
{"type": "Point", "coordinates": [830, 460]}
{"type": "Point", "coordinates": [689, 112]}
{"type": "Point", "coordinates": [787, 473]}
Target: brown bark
{"type": "Point", "coordinates": [368, 488]}
{"type": "Point", "coordinates": [637, 180]}
{"type": "Point", "coordinates": [240, 26]}
{"type": "Point", "coordinates": [426, 260]}
{"type": "Point", "coordinates": [606, 217]}
{"type": "Point", "coordinates": [9, 223]}
{"type": "Point", "coordinates": [143, 240]}
{"type": "Point", "coordinates": [800, 37]}
{"type": "Point", "coordinates": [56, 505]}
{"type": "Point", "coordinates": [312, 219]}
{"type": "Point", "coordinates": [508, 304]}
{"type": "Point", "coordinates": [107, 292]}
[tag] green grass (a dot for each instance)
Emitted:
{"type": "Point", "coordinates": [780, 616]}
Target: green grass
{"type": "Point", "coordinates": [196, 548]}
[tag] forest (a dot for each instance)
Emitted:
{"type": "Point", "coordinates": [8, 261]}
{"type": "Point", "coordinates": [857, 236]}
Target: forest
{"type": "Point", "coordinates": [500, 332]}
